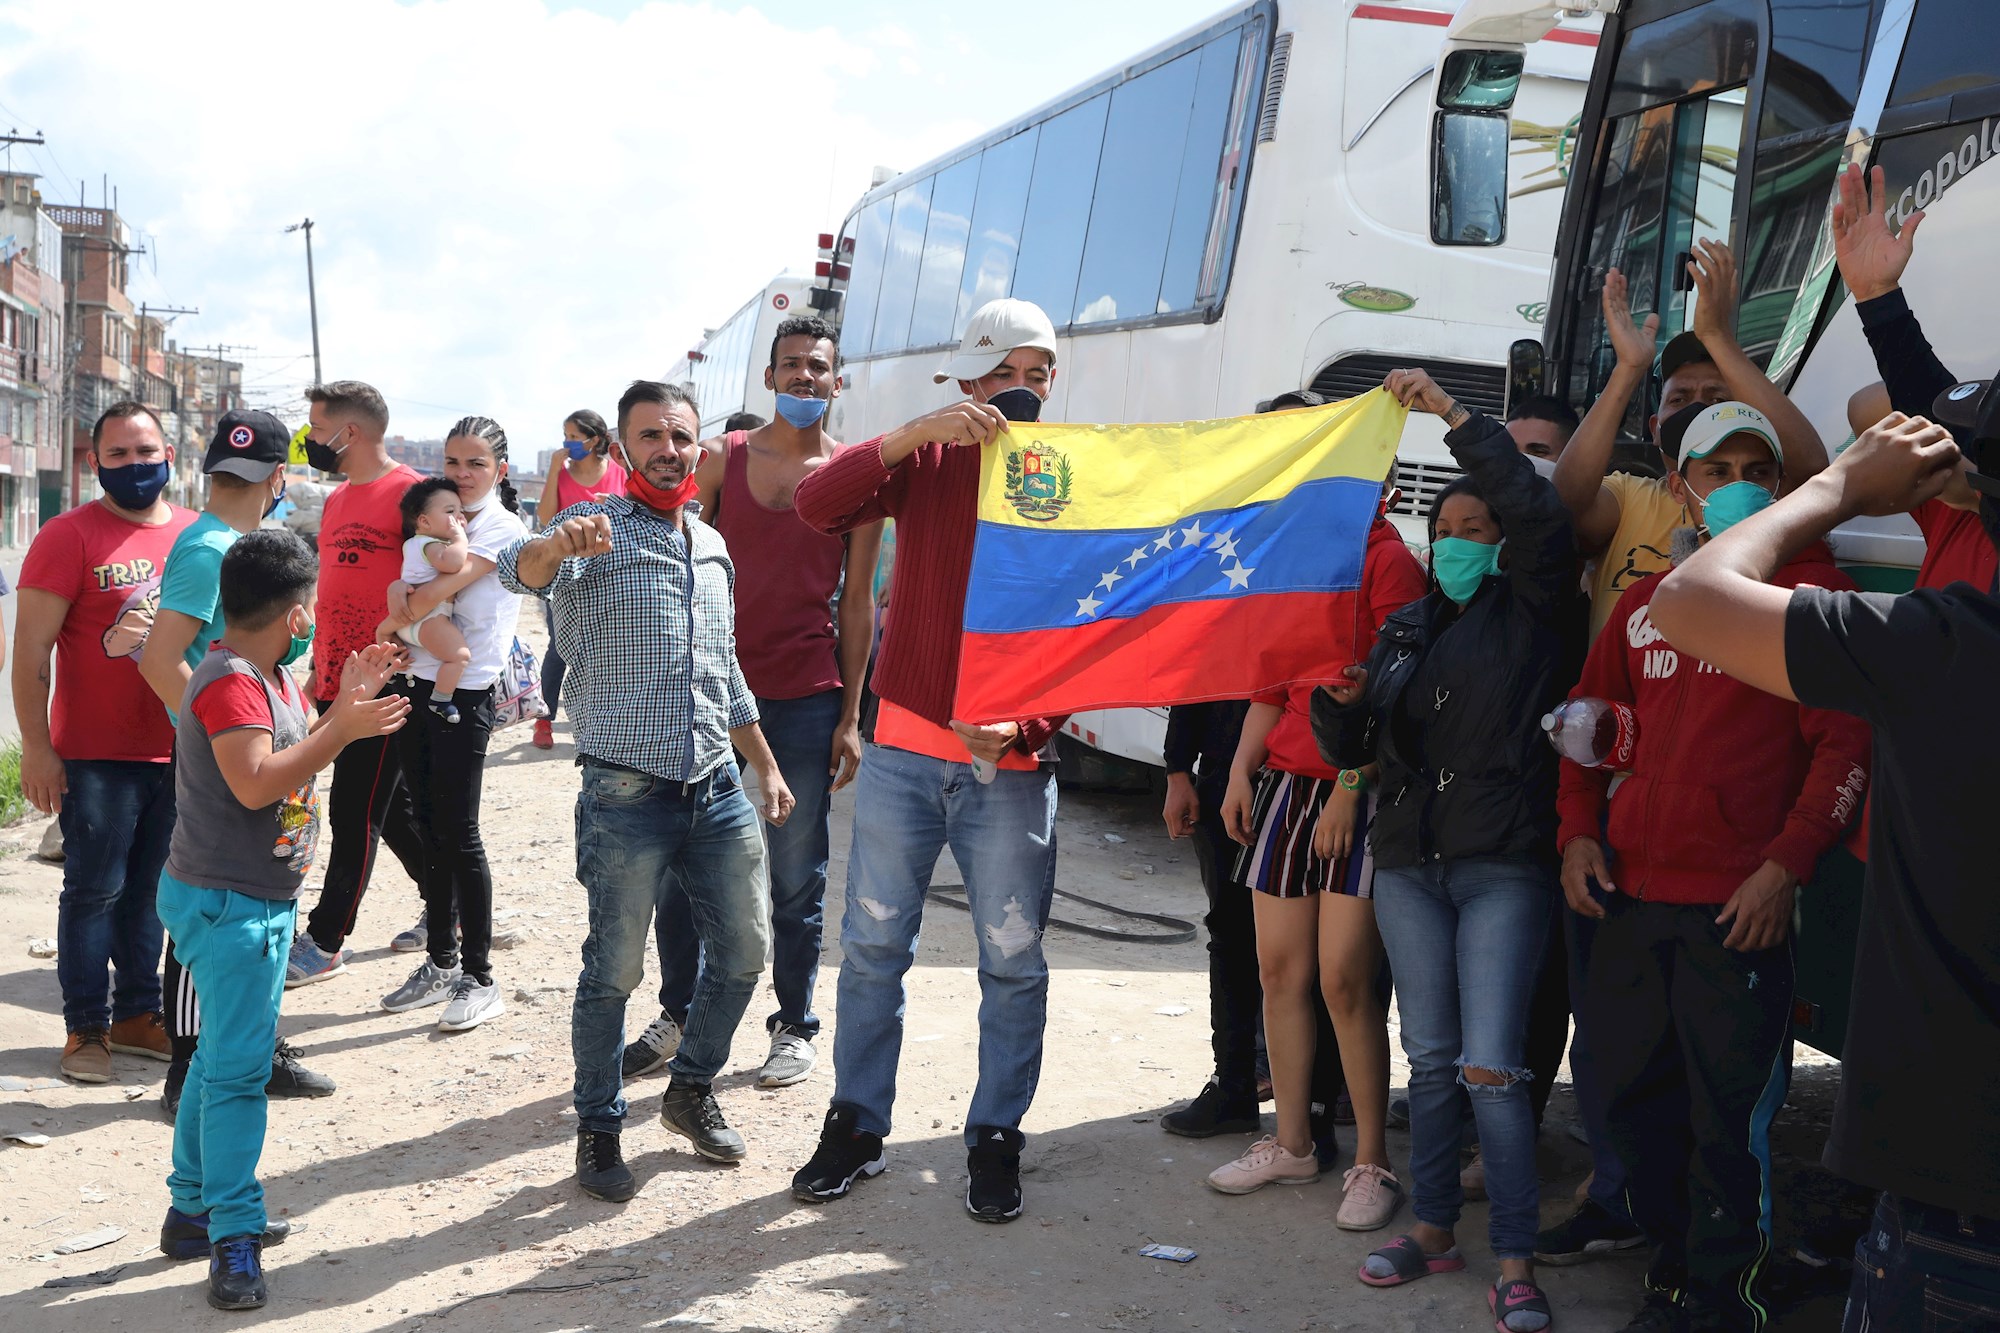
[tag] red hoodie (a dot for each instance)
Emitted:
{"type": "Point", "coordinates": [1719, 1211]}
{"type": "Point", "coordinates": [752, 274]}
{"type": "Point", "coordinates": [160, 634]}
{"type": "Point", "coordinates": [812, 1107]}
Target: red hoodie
{"type": "Point", "coordinates": [1726, 776]}
{"type": "Point", "coordinates": [1391, 579]}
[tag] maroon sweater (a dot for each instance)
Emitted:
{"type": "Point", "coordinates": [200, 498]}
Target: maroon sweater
{"type": "Point", "coordinates": [934, 497]}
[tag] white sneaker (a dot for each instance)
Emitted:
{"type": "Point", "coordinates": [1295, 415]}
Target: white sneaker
{"type": "Point", "coordinates": [471, 1004]}
{"type": "Point", "coordinates": [659, 1043]}
{"type": "Point", "coordinates": [1266, 1163]}
{"type": "Point", "coordinates": [792, 1057]}
{"type": "Point", "coordinates": [429, 984]}
{"type": "Point", "coordinates": [1373, 1196]}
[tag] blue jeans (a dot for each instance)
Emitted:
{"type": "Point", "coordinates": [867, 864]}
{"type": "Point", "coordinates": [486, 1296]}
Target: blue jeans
{"type": "Point", "coordinates": [638, 839]}
{"type": "Point", "coordinates": [235, 946]}
{"type": "Point", "coordinates": [1920, 1266]}
{"type": "Point", "coordinates": [907, 809]}
{"type": "Point", "coordinates": [116, 822]}
{"type": "Point", "coordinates": [1465, 940]}
{"type": "Point", "coordinates": [800, 734]}
{"type": "Point", "coordinates": [552, 664]}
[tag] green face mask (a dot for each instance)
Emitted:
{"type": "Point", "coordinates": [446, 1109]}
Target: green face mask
{"type": "Point", "coordinates": [1461, 565]}
{"type": "Point", "coordinates": [301, 644]}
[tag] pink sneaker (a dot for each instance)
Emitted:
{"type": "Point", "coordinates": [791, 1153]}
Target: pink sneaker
{"type": "Point", "coordinates": [1373, 1196]}
{"type": "Point", "coordinates": [1266, 1163]}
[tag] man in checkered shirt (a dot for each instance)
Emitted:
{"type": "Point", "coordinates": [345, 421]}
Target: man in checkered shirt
{"type": "Point", "coordinates": [643, 596]}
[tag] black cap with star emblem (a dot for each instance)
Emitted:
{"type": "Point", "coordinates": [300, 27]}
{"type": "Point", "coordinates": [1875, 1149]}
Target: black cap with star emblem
{"type": "Point", "coordinates": [250, 445]}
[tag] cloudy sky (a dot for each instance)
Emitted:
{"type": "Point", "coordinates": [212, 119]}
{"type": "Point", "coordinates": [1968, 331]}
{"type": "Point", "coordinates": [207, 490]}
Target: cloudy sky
{"type": "Point", "coordinates": [518, 205]}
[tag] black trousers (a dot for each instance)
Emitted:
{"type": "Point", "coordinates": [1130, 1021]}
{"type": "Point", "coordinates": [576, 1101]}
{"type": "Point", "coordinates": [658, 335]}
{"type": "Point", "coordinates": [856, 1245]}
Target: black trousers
{"type": "Point", "coordinates": [366, 804]}
{"type": "Point", "coordinates": [444, 767]}
{"type": "Point", "coordinates": [1548, 1019]}
{"type": "Point", "coordinates": [1235, 990]}
{"type": "Point", "coordinates": [1691, 1044]}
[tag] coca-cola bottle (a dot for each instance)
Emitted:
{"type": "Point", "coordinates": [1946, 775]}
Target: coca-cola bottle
{"type": "Point", "coordinates": [1594, 732]}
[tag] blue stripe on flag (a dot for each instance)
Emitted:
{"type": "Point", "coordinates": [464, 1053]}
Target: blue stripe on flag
{"type": "Point", "coordinates": [1313, 539]}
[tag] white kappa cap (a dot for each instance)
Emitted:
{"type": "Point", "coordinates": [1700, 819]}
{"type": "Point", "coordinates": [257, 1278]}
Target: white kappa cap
{"type": "Point", "coordinates": [997, 328]}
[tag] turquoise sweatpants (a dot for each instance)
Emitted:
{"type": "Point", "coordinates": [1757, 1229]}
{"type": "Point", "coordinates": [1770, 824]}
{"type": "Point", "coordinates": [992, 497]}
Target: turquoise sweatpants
{"type": "Point", "coordinates": [235, 946]}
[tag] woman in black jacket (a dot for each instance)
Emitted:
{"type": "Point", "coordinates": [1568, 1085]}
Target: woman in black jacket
{"type": "Point", "coordinates": [1449, 707]}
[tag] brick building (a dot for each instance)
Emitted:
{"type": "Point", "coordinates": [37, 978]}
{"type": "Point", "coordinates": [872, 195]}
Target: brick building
{"type": "Point", "coordinates": [31, 360]}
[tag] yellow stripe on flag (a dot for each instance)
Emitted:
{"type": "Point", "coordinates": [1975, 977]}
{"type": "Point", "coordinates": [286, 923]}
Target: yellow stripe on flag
{"type": "Point", "coordinates": [1113, 477]}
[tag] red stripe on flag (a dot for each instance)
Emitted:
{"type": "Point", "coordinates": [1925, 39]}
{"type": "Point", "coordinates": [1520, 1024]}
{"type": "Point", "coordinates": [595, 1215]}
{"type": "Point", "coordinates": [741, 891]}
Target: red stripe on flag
{"type": "Point", "coordinates": [1187, 652]}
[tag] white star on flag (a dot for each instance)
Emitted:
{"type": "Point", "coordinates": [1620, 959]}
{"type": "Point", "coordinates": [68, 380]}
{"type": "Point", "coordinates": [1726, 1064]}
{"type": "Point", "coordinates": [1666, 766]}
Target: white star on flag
{"type": "Point", "coordinates": [1105, 581]}
{"type": "Point", "coordinates": [1192, 534]}
{"type": "Point", "coordinates": [1138, 554]}
{"type": "Point", "coordinates": [1224, 544]}
{"type": "Point", "coordinates": [1165, 542]}
{"type": "Point", "coordinates": [1087, 607]}
{"type": "Point", "coordinates": [1238, 575]}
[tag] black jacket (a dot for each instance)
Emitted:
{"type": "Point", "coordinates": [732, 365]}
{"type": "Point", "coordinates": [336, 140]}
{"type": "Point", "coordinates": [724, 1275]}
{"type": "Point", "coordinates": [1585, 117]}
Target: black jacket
{"type": "Point", "coordinates": [1201, 740]}
{"type": "Point", "coordinates": [1455, 697]}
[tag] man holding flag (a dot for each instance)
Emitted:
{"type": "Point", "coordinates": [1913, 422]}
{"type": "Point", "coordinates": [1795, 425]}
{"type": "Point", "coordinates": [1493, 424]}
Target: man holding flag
{"type": "Point", "coordinates": [917, 791]}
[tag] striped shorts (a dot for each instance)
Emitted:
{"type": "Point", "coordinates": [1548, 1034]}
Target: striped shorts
{"type": "Point", "coordinates": [1280, 860]}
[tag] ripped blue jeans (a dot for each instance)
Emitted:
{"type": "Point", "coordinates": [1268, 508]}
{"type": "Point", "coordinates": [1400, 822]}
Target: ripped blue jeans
{"type": "Point", "coordinates": [1465, 941]}
{"type": "Point", "coordinates": [907, 809]}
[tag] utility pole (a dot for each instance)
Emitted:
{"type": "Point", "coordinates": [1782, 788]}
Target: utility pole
{"type": "Point", "coordinates": [312, 295]}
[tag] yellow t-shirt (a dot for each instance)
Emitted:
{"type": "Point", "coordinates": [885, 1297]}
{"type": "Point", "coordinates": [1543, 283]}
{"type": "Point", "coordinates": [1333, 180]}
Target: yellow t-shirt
{"type": "Point", "coordinates": [1647, 517]}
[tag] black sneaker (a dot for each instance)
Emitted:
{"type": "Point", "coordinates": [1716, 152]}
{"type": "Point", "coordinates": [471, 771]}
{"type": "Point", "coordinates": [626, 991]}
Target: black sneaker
{"type": "Point", "coordinates": [1399, 1113]}
{"type": "Point", "coordinates": [185, 1235]}
{"type": "Point", "coordinates": [236, 1273]}
{"type": "Point", "coordinates": [1660, 1314]}
{"type": "Point", "coordinates": [1212, 1112]}
{"type": "Point", "coordinates": [600, 1167]}
{"type": "Point", "coordinates": [689, 1109]}
{"type": "Point", "coordinates": [1590, 1232]}
{"type": "Point", "coordinates": [845, 1154]}
{"type": "Point", "coordinates": [289, 1078]}
{"type": "Point", "coordinates": [993, 1192]}
{"type": "Point", "coordinates": [446, 710]}
{"type": "Point", "coordinates": [170, 1095]}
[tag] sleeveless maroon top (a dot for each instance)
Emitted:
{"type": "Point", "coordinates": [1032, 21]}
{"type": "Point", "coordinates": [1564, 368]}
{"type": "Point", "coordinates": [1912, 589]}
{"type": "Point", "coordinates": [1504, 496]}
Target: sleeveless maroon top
{"type": "Point", "coordinates": [786, 578]}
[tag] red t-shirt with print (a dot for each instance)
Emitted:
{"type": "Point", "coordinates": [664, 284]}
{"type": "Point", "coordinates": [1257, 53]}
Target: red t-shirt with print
{"type": "Point", "coordinates": [360, 555]}
{"type": "Point", "coordinates": [108, 569]}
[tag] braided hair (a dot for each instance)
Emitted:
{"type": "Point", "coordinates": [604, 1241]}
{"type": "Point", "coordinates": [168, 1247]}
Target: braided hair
{"type": "Point", "coordinates": [487, 429]}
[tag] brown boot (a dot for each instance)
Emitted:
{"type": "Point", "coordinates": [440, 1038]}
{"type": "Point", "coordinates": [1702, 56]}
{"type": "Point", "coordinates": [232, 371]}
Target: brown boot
{"type": "Point", "coordinates": [143, 1034]}
{"type": "Point", "coordinates": [86, 1057]}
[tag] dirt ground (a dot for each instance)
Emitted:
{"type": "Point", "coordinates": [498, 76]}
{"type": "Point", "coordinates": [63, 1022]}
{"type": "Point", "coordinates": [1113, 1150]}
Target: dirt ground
{"type": "Point", "coordinates": [434, 1189]}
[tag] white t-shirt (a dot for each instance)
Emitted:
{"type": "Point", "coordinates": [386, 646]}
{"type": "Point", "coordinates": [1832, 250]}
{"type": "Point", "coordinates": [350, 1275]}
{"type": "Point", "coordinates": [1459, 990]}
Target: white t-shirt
{"type": "Point", "coordinates": [485, 611]}
{"type": "Point", "coordinates": [418, 571]}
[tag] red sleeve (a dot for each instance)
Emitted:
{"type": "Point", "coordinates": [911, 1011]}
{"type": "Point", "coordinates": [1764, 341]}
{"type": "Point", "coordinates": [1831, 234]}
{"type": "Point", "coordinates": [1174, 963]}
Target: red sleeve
{"type": "Point", "coordinates": [1582, 793]}
{"type": "Point", "coordinates": [1035, 731]}
{"type": "Point", "coordinates": [1835, 782]}
{"type": "Point", "coordinates": [853, 488]}
{"type": "Point", "coordinates": [1391, 579]}
{"type": "Point", "coordinates": [1932, 517]}
{"type": "Point", "coordinates": [55, 562]}
{"type": "Point", "coordinates": [231, 703]}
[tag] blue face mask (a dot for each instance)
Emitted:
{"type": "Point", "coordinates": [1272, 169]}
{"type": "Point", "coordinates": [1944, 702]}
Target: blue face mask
{"type": "Point", "coordinates": [1726, 506]}
{"type": "Point", "coordinates": [801, 413]}
{"type": "Point", "coordinates": [1461, 565]}
{"type": "Point", "coordinates": [576, 449]}
{"type": "Point", "coordinates": [134, 486]}
{"type": "Point", "coordinates": [277, 499]}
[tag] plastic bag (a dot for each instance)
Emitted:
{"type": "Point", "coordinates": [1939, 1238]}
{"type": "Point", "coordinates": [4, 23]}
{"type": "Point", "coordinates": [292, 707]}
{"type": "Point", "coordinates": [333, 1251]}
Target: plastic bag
{"type": "Point", "coordinates": [519, 689]}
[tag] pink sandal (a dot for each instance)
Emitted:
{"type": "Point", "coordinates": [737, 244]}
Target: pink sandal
{"type": "Point", "coordinates": [1408, 1262]}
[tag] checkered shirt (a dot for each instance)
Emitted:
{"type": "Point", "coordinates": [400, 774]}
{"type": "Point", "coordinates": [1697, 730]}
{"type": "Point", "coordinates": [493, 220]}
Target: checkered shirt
{"type": "Point", "coordinates": [648, 633]}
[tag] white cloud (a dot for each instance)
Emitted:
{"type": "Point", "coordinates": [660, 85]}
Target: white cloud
{"type": "Point", "coordinates": [516, 211]}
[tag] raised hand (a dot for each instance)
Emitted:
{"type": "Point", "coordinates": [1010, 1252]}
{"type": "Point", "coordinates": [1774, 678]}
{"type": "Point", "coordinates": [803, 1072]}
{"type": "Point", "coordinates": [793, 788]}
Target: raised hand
{"type": "Point", "coordinates": [1634, 343]}
{"type": "Point", "coordinates": [582, 537]}
{"type": "Point", "coordinates": [1895, 465]}
{"type": "Point", "coordinates": [1871, 255]}
{"type": "Point", "coordinates": [1416, 390]}
{"type": "Point", "coordinates": [1713, 268]}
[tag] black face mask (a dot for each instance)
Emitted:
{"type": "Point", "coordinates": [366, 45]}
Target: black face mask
{"type": "Point", "coordinates": [1017, 404]}
{"type": "Point", "coordinates": [322, 456]}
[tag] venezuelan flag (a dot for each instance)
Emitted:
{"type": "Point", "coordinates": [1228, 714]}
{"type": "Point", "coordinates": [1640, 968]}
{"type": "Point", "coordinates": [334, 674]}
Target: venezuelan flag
{"type": "Point", "coordinates": [1117, 566]}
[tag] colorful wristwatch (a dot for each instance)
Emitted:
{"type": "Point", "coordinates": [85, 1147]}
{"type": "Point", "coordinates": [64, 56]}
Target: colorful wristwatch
{"type": "Point", "coordinates": [1352, 779]}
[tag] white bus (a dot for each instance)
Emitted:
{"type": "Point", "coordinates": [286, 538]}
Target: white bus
{"type": "Point", "coordinates": [726, 367]}
{"type": "Point", "coordinates": [1295, 194]}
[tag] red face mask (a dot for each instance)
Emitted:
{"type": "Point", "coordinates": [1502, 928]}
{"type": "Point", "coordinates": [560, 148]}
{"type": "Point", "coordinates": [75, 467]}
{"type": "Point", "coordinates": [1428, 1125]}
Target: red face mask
{"type": "Point", "coordinates": [646, 493]}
